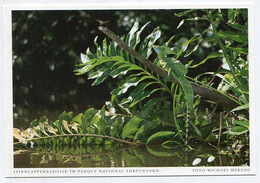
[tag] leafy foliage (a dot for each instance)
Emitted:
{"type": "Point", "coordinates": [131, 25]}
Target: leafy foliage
{"type": "Point", "coordinates": [93, 127]}
{"type": "Point", "coordinates": [150, 108]}
{"type": "Point", "coordinates": [112, 60]}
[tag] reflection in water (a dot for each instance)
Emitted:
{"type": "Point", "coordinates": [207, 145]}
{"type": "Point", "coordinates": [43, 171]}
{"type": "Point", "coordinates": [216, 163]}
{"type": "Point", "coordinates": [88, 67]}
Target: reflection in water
{"type": "Point", "coordinates": [125, 156]}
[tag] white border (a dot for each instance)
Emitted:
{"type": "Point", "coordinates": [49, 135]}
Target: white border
{"type": "Point", "coordinates": [163, 171]}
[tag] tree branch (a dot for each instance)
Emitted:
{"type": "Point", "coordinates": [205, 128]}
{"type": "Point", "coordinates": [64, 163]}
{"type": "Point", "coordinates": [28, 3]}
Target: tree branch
{"type": "Point", "coordinates": [207, 93]}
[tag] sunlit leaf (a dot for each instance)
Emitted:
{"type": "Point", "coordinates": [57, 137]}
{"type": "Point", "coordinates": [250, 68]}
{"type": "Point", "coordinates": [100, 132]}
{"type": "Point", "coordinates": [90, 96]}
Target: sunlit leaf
{"type": "Point", "coordinates": [180, 24]}
{"type": "Point", "coordinates": [17, 134]}
{"type": "Point", "coordinates": [65, 125]}
{"type": "Point", "coordinates": [242, 107]}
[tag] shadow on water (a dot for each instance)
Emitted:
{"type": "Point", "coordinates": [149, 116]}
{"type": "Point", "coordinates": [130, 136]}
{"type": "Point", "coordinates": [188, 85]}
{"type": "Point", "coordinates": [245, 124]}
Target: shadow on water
{"type": "Point", "coordinates": [125, 156]}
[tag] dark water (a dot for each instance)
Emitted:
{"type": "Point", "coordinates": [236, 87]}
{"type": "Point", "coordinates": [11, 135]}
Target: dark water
{"type": "Point", "coordinates": [108, 156]}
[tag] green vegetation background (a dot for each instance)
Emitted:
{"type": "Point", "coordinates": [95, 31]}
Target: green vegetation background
{"type": "Point", "coordinates": [47, 46]}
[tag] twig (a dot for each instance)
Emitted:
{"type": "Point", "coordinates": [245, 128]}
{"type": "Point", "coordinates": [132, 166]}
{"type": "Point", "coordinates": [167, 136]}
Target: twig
{"type": "Point", "coordinates": [213, 111]}
{"type": "Point", "coordinates": [206, 93]}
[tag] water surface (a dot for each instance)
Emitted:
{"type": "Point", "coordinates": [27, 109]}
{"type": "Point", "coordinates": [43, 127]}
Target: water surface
{"type": "Point", "coordinates": [125, 156]}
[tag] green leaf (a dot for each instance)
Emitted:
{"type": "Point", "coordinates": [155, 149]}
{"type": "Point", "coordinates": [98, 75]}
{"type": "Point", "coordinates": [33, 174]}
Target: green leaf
{"type": "Point", "coordinates": [243, 123]}
{"type": "Point", "coordinates": [198, 132]}
{"type": "Point", "coordinates": [96, 62]}
{"type": "Point", "coordinates": [84, 58]}
{"type": "Point", "coordinates": [193, 50]}
{"type": "Point", "coordinates": [194, 38]}
{"type": "Point", "coordinates": [233, 13]}
{"type": "Point", "coordinates": [86, 118]}
{"type": "Point", "coordinates": [238, 26]}
{"type": "Point", "coordinates": [138, 90]}
{"type": "Point", "coordinates": [144, 129]}
{"type": "Point", "coordinates": [238, 130]}
{"type": "Point", "coordinates": [78, 118]}
{"type": "Point", "coordinates": [168, 42]}
{"type": "Point", "coordinates": [132, 32]}
{"type": "Point", "coordinates": [104, 47]}
{"type": "Point", "coordinates": [34, 123]}
{"type": "Point", "coordinates": [138, 34]}
{"type": "Point", "coordinates": [150, 106]}
{"type": "Point", "coordinates": [123, 89]}
{"type": "Point", "coordinates": [239, 50]}
{"type": "Point", "coordinates": [211, 55]}
{"type": "Point", "coordinates": [177, 66]}
{"type": "Point", "coordinates": [242, 107]}
{"type": "Point", "coordinates": [116, 127]}
{"type": "Point", "coordinates": [102, 74]}
{"type": "Point", "coordinates": [131, 127]}
{"type": "Point", "coordinates": [89, 54]}
{"type": "Point", "coordinates": [120, 71]}
{"type": "Point", "coordinates": [146, 46]}
{"type": "Point", "coordinates": [177, 70]}
{"type": "Point", "coordinates": [143, 95]}
{"type": "Point", "coordinates": [64, 117]}
{"type": "Point", "coordinates": [163, 51]}
{"type": "Point", "coordinates": [130, 82]}
{"type": "Point", "coordinates": [160, 135]}
{"type": "Point", "coordinates": [186, 86]}
{"type": "Point", "coordinates": [235, 36]}
{"type": "Point", "coordinates": [95, 121]}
